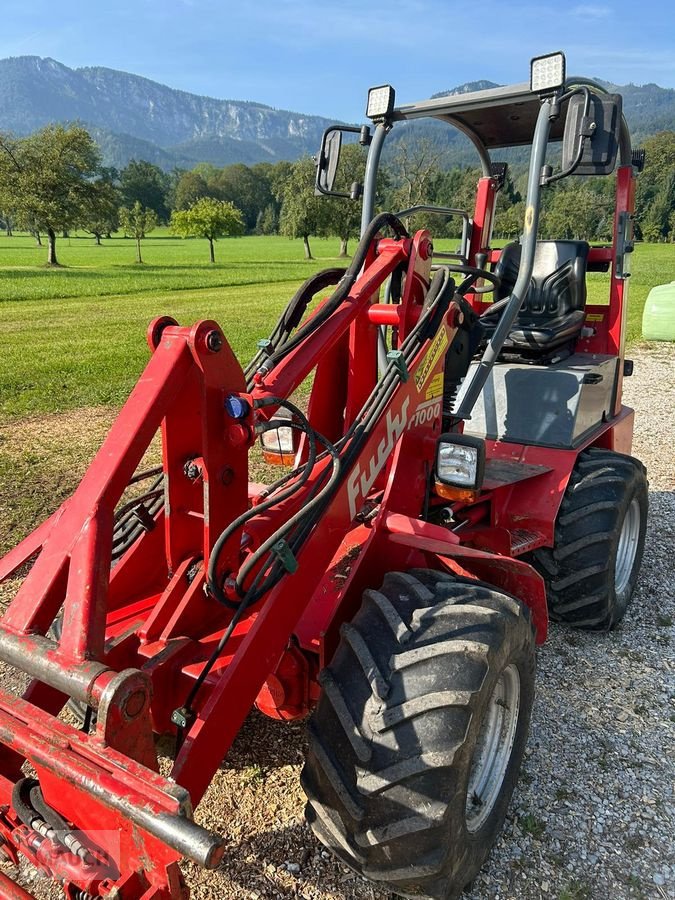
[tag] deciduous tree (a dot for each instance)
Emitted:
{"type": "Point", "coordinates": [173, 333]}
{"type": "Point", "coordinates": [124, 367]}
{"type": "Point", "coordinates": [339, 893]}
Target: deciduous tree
{"type": "Point", "coordinates": [302, 213]}
{"type": "Point", "coordinates": [102, 211]}
{"type": "Point", "coordinates": [208, 218]}
{"type": "Point", "coordinates": [146, 183]}
{"type": "Point", "coordinates": [191, 186]}
{"type": "Point", "coordinates": [137, 222]}
{"type": "Point", "coordinates": [46, 179]}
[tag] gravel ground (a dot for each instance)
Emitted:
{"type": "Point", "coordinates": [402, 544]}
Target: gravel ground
{"type": "Point", "coordinates": [593, 815]}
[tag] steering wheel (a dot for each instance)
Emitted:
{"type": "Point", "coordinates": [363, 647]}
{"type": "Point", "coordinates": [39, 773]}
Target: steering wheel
{"type": "Point", "coordinates": [473, 274]}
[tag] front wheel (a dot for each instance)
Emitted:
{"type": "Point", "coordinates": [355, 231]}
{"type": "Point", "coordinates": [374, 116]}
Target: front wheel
{"type": "Point", "coordinates": [591, 570]}
{"type": "Point", "coordinates": [418, 737]}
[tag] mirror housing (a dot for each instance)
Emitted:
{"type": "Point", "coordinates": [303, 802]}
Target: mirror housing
{"type": "Point", "coordinates": [602, 146]}
{"type": "Point", "coordinates": [329, 157]}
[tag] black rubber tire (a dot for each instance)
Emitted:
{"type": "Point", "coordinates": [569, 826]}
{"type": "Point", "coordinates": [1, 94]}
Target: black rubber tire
{"type": "Point", "coordinates": [392, 738]}
{"type": "Point", "coordinates": [580, 569]}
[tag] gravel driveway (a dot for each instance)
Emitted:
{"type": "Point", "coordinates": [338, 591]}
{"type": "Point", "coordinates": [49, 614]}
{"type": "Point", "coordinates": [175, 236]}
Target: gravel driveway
{"type": "Point", "coordinates": [593, 815]}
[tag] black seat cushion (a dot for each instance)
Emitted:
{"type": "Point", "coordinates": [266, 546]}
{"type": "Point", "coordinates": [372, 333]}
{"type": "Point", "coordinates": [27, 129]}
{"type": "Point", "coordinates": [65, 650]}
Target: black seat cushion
{"type": "Point", "coordinates": [552, 313]}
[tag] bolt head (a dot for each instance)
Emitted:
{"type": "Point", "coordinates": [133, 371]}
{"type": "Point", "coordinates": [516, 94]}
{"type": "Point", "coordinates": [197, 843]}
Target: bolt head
{"type": "Point", "coordinates": [214, 341]}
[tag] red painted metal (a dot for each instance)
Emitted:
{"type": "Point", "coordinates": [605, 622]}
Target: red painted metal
{"type": "Point", "coordinates": [135, 638]}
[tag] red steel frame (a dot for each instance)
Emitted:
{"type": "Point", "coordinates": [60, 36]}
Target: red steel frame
{"type": "Point", "coordinates": [135, 639]}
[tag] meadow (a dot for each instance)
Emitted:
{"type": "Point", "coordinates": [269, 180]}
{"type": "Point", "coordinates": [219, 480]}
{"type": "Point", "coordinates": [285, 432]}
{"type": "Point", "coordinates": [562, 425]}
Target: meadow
{"type": "Point", "coordinates": [75, 336]}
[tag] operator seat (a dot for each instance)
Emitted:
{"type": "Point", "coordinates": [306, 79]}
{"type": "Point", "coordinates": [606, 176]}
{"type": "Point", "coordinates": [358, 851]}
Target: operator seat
{"type": "Point", "coordinates": [552, 314]}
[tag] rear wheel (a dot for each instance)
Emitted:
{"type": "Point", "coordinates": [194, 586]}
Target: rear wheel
{"type": "Point", "coordinates": [417, 739]}
{"type": "Point", "coordinates": [591, 571]}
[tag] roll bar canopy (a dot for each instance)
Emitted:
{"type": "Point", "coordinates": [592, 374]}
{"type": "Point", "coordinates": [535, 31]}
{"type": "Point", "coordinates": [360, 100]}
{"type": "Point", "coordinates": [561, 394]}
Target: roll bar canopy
{"type": "Point", "coordinates": [500, 116]}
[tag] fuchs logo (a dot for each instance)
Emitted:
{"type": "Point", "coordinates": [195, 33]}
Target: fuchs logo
{"type": "Point", "coordinates": [360, 481]}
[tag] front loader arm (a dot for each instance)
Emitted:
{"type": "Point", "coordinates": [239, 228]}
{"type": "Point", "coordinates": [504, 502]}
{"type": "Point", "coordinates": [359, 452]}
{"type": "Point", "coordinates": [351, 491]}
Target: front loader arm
{"type": "Point", "coordinates": [139, 639]}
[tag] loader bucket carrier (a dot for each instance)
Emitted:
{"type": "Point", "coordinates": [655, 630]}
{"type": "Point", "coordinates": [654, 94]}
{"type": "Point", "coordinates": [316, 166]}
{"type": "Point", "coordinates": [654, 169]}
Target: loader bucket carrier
{"type": "Point", "coordinates": [394, 580]}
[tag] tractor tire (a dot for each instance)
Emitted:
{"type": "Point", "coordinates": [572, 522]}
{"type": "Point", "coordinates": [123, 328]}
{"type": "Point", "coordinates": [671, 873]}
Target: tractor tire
{"type": "Point", "coordinates": [417, 739]}
{"type": "Point", "coordinates": [590, 572]}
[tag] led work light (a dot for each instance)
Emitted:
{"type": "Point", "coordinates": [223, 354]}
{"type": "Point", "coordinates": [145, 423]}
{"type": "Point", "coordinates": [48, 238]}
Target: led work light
{"type": "Point", "coordinates": [380, 101]}
{"type": "Point", "coordinates": [460, 463]}
{"type": "Point", "coordinates": [547, 73]}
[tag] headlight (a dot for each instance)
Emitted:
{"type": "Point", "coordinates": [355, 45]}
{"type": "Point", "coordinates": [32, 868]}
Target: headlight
{"type": "Point", "coordinates": [460, 462]}
{"type": "Point", "coordinates": [278, 444]}
{"type": "Point", "coordinates": [547, 73]}
{"type": "Point", "coordinates": [380, 101]}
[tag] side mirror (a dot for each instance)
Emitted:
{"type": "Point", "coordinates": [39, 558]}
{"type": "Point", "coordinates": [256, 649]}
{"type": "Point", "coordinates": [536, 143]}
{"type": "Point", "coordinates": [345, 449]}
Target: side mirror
{"type": "Point", "coordinates": [327, 164]}
{"type": "Point", "coordinates": [601, 129]}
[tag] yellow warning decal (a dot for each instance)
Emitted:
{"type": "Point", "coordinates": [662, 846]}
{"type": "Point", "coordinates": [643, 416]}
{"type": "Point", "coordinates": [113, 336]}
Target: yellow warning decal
{"type": "Point", "coordinates": [433, 354]}
{"type": "Point", "coordinates": [595, 317]}
{"type": "Point", "coordinates": [435, 388]}
{"type": "Point", "coordinates": [529, 218]}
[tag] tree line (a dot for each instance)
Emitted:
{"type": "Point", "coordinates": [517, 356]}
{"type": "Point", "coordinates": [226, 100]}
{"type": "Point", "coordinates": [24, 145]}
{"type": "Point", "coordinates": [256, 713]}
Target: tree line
{"type": "Point", "coordinates": [53, 182]}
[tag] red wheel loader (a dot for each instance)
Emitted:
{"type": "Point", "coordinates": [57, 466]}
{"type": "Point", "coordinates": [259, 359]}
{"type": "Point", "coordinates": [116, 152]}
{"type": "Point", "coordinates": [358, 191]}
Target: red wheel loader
{"type": "Point", "coordinates": [459, 471]}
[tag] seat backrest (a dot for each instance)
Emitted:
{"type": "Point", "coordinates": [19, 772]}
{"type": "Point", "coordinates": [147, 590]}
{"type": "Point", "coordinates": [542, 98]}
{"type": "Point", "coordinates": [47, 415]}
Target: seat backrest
{"type": "Point", "coordinates": [558, 284]}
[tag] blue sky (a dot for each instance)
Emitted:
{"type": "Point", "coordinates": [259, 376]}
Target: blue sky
{"type": "Point", "coordinates": [321, 56]}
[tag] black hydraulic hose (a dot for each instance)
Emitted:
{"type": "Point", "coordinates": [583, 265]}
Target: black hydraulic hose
{"type": "Point", "coordinates": [254, 593]}
{"type": "Point", "coordinates": [293, 313]}
{"type": "Point", "coordinates": [345, 286]}
{"type": "Point", "coordinates": [441, 293]}
{"type": "Point", "coordinates": [290, 523]}
{"type": "Point", "coordinates": [21, 801]}
{"type": "Point", "coordinates": [304, 474]}
{"type": "Point", "coordinates": [47, 814]}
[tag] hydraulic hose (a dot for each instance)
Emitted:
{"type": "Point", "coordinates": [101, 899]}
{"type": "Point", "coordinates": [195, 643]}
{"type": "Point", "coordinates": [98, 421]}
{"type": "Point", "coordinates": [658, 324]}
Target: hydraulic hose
{"type": "Point", "coordinates": [293, 313]}
{"type": "Point", "coordinates": [346, 284]}
{"type": "Point", "coordinates": [241, 520]}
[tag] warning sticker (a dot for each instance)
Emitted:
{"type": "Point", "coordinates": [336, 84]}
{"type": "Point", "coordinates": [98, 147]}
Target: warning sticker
{"type": "Point", "coordinates": [433, 354]}
{"type": "Point", "coordinates": [435, 388]}
{"type": "Point", "coordinates": [595, 317]}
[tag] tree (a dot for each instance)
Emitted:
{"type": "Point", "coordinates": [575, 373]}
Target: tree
{"type": "Point", "coordinates": [146, 183]}
{"type": "Point", "coordinates": [414, 167]}
{"type": "Point", "coordinates": [509, 221]}
{"type": "Point", "coordinates": [267, 221]}
{"type": "Point", "coordinates": [208, 218]}
{"type": "Point", "coordinates": [191, 186]}
{"type": "Point", "coordinates": [101, 215]}
{"type": "Point", "coordinates": [247, 189]}
{"type": "Point", "coordinates": [46, 179]}
{"type": "Point", "coordinates": [575, 211]}
{"type": "Point", "coordinates": [6, 223]}
{"type": "Point", "coordinates": [655, 194]}
{"type": "Point", "coordinates": [302, 213]}
{"type": "Point", "coordinates": [136, 223]}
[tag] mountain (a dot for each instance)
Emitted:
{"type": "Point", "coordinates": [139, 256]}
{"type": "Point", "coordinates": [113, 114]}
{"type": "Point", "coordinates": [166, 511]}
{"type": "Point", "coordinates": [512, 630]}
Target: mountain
{"type": "Point", "coordinates": [135, 118]}
{"type": "Point", "coordinates": [132, 116]}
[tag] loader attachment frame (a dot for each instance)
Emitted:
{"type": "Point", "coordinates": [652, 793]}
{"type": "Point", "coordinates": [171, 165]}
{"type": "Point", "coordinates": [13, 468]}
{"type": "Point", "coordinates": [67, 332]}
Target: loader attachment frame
{"type": "Point", "coordinates": [137, 639]}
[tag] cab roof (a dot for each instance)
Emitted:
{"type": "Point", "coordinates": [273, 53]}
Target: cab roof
{"type": "Point", "coordinates": [497, 117]}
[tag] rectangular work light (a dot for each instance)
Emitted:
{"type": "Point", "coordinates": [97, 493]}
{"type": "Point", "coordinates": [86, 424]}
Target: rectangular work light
{"type": "Point", "coordinates": [380, 101]}
{"type": "Point", "coordinates": [460, 464]}
{"type": "Point", "coordinates": [547, 73]}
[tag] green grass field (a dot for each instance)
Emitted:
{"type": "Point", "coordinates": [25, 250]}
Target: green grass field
{"type": "Point", "coordinates": [75, 336]}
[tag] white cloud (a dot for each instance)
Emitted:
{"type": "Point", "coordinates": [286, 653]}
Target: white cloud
{"type": "Point", "coordinates": [590, 11]}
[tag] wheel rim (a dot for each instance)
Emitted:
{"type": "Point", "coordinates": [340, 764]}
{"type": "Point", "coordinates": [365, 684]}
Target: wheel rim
{"type": "Point", "coordinates": [493, 749]}
{"type": "Point", "coordinates": [626, 550]}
